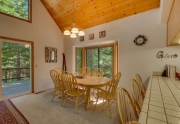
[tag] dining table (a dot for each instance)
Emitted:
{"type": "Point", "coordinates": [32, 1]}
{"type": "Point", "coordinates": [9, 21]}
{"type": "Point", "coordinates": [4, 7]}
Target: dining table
{"type": "Point", "coordinates": [162, 101]}
{"type": "Point", "coordinates": [92, 82]}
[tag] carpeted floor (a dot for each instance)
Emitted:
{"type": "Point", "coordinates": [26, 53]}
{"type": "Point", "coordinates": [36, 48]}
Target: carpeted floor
{"type": "Point", "coordinates": [38, 109]}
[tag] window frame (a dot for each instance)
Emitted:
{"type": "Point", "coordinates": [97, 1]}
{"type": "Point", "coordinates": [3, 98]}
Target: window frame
{"type": "Point", "coordinates": [30, 13]}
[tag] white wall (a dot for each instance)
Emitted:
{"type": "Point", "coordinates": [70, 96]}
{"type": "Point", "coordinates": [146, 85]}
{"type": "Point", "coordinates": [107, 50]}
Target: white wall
{"type": "Point", "coordinates": [132, 59]}
{"type": "Point", "coordinates": [44, 32]}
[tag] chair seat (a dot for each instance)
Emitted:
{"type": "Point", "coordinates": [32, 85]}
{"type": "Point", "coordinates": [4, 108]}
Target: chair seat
{"type": "Point", "coordinates": [75, 92]}
{"type": "Point", "coordinates": [132, 122]}
{"type": "Point", "coordinates": [105, 95]}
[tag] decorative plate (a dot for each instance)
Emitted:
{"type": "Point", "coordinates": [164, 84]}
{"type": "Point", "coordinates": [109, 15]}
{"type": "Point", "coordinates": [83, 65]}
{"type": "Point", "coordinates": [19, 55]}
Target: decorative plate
{"type": "Point", "coordinates": [140, 40]}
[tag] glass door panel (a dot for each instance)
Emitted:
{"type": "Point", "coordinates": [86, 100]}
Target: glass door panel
{"type": "Point", "coordinates": [92, 58]}
{"type": "Point", "coordinates": [78, 59]}
{"type": "Point", "coordinates": [106, 60]}
{"type": "Point", "coordinates": [16, 64]}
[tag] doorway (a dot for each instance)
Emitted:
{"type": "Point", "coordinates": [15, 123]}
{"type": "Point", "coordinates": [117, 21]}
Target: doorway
{"type": "Point", "coordinates": [16, 61]}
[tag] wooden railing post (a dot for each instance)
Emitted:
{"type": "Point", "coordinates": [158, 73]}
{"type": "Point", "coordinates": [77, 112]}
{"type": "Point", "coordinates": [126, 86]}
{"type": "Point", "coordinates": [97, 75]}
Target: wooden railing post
{"type": "Point", "coordinates": [5, 75]}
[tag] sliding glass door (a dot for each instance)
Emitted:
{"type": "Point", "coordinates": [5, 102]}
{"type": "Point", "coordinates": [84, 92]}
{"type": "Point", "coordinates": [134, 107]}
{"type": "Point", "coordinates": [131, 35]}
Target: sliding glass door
{"type": "Point", "coordinates": [16, 68]}
{"type": "Point", "coordinates": [100, 58]}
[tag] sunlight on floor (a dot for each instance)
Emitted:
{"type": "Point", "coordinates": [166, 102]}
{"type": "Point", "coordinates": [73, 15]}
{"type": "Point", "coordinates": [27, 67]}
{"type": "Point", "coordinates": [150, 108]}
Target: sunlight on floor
{"type": "Point", "coordinates": [99, 102]}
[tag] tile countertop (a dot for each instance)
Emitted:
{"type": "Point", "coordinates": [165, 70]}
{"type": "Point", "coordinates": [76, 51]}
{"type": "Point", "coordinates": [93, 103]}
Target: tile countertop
{"type": "Point", "coordinates": [162, 102]}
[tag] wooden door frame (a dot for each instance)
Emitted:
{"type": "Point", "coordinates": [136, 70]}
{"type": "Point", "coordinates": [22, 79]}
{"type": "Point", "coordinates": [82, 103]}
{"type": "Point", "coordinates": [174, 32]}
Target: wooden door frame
{"type": "Point", "coordinates": [32, 57]}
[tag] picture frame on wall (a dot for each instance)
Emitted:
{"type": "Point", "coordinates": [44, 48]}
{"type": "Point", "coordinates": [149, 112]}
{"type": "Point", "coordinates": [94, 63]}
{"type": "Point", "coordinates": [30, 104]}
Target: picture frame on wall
{"type": "Point", "coordinates": [50, 55]}
{"type": "Point", "coordinates": [91, 36]}
{"type": "Point", "coordinates": [102, 34]}
{"type": "Point", "coordinates": [81, 38]}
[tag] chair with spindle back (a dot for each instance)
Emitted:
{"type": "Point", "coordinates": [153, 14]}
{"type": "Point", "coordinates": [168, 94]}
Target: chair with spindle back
{"type": "Point", "coordinates": [59, 70]}
{"type": "Point", "coordinates": [97, 72]}
{"type": "Point", "coordinates": [58, 85]}
{"type": "Point", "coordinates": [137, 94]}
{"type": "Point", "coordinates": [109, 94]}
{"type": "Point", "coordinates": [126, 108]}
{"type": "Point", "coordinates": [141, 84]}
{"type": "Point", "coordinates": [72, 90]}
{"type": "Point", "coordinates": [85, 71]}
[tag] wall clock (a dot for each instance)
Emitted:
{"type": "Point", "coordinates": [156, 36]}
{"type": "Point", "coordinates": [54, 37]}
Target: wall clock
{"type": "Point", "coordinates": [140, 40]}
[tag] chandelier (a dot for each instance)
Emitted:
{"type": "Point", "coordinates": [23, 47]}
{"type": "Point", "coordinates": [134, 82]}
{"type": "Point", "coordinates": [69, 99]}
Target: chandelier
{"type": "Point", "coordinates": [74, 30]}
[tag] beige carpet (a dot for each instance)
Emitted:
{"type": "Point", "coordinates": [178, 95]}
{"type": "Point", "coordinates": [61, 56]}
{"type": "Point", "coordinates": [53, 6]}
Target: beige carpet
{"type": "Point", "coordinates": [38, 109]}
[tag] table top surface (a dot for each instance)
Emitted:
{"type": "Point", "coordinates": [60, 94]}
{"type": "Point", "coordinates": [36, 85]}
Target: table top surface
{"type": "Point", "coordinates": [93, 81]}
{"type": "Point", "coordinates": [162, 102]}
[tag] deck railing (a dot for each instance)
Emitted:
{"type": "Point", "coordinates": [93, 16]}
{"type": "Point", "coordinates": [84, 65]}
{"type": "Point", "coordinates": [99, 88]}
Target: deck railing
{"type": "Point", "coordinates": [15, 73]}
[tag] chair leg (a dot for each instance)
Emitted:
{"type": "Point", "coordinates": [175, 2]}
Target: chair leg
{"type": "Point", "coordinates": [65, 101]}
{"type": "Point", "coordinates": [109, 109]}
{"type": "Point", "coordinates": [96, 103]}
{"type": "Point", "coordinates": [54, 93]}
{"type": "Point", "coordinates": [76, 104]}
{"type": "Point", "coordinates": [62, 95]}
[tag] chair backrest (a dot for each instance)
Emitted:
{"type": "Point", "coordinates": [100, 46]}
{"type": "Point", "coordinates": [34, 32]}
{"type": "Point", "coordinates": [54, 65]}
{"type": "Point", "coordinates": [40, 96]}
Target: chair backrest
{"type": "Point", "coordinates": [114, 84]}
{"type": "Point", "coordinates": [85, 71]}
{"type": "Point", "coordinates": [56, 78]}
{"type": "Point", "coordinates": [70, 82]}
{"type": "Point", "coordinates": [59, 70]}
{"type": "Point", "coordinates": [136, 93]}
{"type": "Point", "coordinates": [125, 106]}
{"type": "Point", "coordinates": [141, 84]}
{"type": "Point", "coordinates": [97, 72]}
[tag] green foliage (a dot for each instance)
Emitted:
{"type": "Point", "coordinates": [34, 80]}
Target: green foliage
{"type": "Point", "coordinates": [79, 60]}
{"type": "Point", "coordinates": [17, 8]}
{"type": "Point", "coordinates": [15, 55]}
{"type": "Point", "coordinates": [101, 59]}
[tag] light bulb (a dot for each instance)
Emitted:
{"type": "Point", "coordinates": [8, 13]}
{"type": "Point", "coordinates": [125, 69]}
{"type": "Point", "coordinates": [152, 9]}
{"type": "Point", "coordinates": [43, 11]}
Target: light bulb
{"type": "Point", "coordinates": [81, 33]}
{"type": "Point", "coordinates": [73, 35]}
{"type": "Point", "coordinates": [74, 30]}
{"type": "Point", "coordinates": [67, 32]}
{"type": "Point", "coordinates": [26, 46]}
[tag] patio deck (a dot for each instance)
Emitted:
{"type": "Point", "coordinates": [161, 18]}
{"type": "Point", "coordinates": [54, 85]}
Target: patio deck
{"type": "Point", "coordinates": [15, 87]}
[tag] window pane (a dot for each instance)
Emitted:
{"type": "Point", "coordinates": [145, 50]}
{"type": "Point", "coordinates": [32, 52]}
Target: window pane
{"type": "Point", "coordinates": [17, 8]}
{"type": "Point", "coordinates": [105, 61]}
{"type": "Point", "coordinates": [79, 60]}
{"type": "Point", "coordinates": [92, 58]}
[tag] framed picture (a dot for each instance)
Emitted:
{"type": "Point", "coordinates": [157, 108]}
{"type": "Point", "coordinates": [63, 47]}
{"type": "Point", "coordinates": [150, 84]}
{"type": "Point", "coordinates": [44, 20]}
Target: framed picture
{"type": "Point", "coordinates": [81, 38]}
{"type": "Point", "coordinates": [50, 54]}
{"type": "Point", "coordinates": [102, 34]}
{"type": "Point", "coordinates": [91, 36]}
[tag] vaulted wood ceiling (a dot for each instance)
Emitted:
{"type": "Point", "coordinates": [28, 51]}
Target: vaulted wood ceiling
{"type": "Point", "coordinates": [89, 13]}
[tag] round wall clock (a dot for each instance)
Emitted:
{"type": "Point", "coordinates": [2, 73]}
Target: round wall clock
{"type": "Point", "coordinates": [140, 40]}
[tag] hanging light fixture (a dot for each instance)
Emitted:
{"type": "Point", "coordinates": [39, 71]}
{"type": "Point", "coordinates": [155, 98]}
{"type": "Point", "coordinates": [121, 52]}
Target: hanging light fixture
{"type": "Point", "coordinates": [74, 29]}
{"type": "Point", "coordinates": [26, 45]}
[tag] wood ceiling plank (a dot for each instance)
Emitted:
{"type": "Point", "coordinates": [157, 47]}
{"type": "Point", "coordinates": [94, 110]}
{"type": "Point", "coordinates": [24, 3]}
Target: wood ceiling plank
{"type": "Point", "coordinates": [89, 13]}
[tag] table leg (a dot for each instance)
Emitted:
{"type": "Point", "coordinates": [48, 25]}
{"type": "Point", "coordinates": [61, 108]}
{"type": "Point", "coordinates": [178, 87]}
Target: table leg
{"type": "Point", "coordinates": [87, 98]}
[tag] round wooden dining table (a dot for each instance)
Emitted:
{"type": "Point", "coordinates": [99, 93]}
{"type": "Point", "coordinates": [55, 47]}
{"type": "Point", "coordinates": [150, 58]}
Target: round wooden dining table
{"type": "Point", "coordinates": [92, 82]}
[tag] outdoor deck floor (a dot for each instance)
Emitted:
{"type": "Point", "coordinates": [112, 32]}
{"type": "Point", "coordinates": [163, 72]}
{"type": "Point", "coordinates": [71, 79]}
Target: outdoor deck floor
{"type": "Point", "coordinates": [15, 87]}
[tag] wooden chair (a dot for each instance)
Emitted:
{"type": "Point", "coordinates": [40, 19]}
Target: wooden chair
{"type": "Point", "coordinates": [125, 107]}
{"type": "Point", "coordinates": [85, 71]}
{"type": "Point", "coordinates": [137, 95]}
{"type": "Point", "coordinates": [72, 90]}
{"type": "Point", "coordinates": [59, 70]}
{"type": "Point", "coordinates": [109, 94]}
{"type": "Point", "coordinates": [141, 84]}
{"type": "Point", "coordinates": [97, 72]}
{"type": "Point", "coordinates": [58, 85]}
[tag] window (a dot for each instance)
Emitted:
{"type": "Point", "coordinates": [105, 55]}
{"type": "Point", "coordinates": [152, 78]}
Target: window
{"type": "Point", "coordinates": [16, 8]}
{"type": "Point", "coordinates": [78, 59]}
{"type": "Point", "coordinates": [104, 57]}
